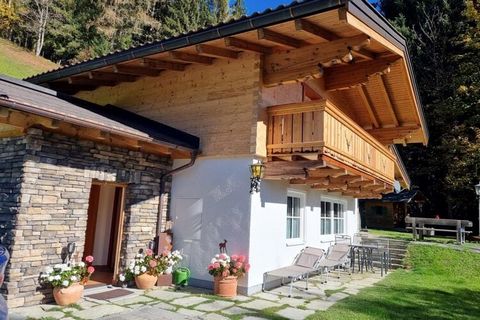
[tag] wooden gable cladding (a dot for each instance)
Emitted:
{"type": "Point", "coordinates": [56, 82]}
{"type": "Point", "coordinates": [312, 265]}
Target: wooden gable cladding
{"type": "Point", "coordinates": [20, 121]}
{"type": "Point", "coordinates": [317, 130]}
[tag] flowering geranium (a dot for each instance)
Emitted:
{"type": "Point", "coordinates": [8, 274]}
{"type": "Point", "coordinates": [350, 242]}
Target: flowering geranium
{"type": "Point", "coordinates": [223, 265]}
{"type": "Point", "coordinates": [64, 275]}
{"type": "Point", "coordinates": [150, 264]}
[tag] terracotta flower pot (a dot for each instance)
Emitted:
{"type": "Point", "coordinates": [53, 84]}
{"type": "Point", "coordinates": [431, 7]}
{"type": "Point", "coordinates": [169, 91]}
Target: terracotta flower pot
{"type": "Point", "coordinates": [164, 280]}
{"type": "Point", "coordinates": [69, 295]}
{"type": "Point", "coordinates": [145, 281]}
{"type": "Point", "coordinates": [225, 287]}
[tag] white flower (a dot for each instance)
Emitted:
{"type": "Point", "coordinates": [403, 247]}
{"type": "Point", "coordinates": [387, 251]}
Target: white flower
{"type": "Point", "coordinates": [50, 278]}
{"type": "Point", "coordinates": [168, 270]}
{"type": "Point", "coordinates": [81, 264]}
{"type": "Point", "coordinates": [137, 272]}
{"type": "Point", "coordinates": [57, 277]}
{"type": "Point", "coordinates": [67, 268]}
{"type": "Point", "coordinates": [65, 283]}
{"type": "Point", "coordinates": [217, 256]}
{"type": "Point", "coordinates": [48, 270]}
{"type": "Point", "coordinates": [74, 278]}
{"type": "Point", "coordinates": [213, 260]}
{"type": "Point", "coordinates": [143, 269]}
{"type": "Point", "coordinates": [121, 277]}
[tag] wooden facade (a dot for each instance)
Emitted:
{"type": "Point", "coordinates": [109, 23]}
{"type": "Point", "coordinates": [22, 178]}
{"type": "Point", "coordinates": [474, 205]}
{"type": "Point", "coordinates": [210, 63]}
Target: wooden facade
{"type": "Point", "coordinates": [351, 95]}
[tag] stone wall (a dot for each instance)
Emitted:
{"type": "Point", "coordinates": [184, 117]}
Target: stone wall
{"type": "Point", "coordinates": [57, 175]}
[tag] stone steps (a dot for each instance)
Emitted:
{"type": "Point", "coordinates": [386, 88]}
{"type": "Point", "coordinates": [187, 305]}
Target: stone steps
{"type": "Point", "coordinates": [397, 249]}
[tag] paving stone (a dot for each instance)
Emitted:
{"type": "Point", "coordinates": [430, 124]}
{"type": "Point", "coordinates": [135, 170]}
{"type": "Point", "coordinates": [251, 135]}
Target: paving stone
{"type": "Point", "coordinates": [163, 305]}
{"type": "Point", "coordinates": [267, 296]}
{"type": "Point", "coordinates": [259, 304]}
{"type": "Point", "coordinates": [240, 298]}
{"type": "Point", "coordinates": [148, 313]}
{"type": "Point", "coordinates": [69, 309]}
{"type": "Point", "coordinates": [188, 301]}
{"type": "Point", "coordinates": [214, 306]}
{"type": "Point", "coordinates": [47, 307]}
{"type": "Point", "coordinates": [29, 312]}
{"type": "Point", "coordinates": [84, 304]}
{"type": "Point", "coordinates": [190, 313]}
{"type": "Point", "coordinates": [166, 295]}
{"type": "Point", "coordinates": [252, 318]}
{"type": "Point", "coordinates": [294, 313]}
{"type": "Point", "coordinates": [99, 311]}
{"type": "Point", "coordinates": [292, 301]}
{"type": "Point", "coordinates": [135, 300]}
{"type": "Point", "coordinates": [235, 310]}
{"type": "Point", "coordinates": [55, 315]}
{"type": "Point", "coordinates": [135, 306]}
{"type": "Point", "coordinates": [337, 296]}
{"type": "Point", "coordinates": [319, 305]}
{"type": "Point", "coordinates": [214, 316]}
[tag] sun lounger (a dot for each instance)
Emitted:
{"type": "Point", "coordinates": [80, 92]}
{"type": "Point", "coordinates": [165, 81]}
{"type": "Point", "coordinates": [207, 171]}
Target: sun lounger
{"type": "Point", "coordinates": [337, 256]}
{"type": "Point", "coordinates": [306, 262]}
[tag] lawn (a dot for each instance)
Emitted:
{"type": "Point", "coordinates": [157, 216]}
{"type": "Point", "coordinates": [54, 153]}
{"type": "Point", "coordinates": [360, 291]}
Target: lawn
{"type": "Point", "coordinates": [440, 283]}
{"type": "Point", "coordinates": [391, 234]}
{"type": "Point", "coordinates": [19, 63]}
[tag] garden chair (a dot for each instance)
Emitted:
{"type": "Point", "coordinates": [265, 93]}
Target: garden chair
{"type": "Point", "coordinates": [337, 257]}
{"type": "Point", "coordinates": [305, 263]}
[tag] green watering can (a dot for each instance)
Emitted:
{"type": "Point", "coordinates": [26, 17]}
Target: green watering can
{"type": "Point", "coordinates": [181, 276]}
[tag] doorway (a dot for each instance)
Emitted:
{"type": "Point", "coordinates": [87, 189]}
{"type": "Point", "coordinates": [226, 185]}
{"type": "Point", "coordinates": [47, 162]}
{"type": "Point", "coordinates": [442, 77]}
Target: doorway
{"type": "Point", "coordinates": [104, 233]}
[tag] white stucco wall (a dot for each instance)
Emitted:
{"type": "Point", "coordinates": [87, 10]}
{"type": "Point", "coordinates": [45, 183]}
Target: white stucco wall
{"type": "Point", "coordinates": [211, 202]}
{"type": "Point", "coordinates": [268, 244]}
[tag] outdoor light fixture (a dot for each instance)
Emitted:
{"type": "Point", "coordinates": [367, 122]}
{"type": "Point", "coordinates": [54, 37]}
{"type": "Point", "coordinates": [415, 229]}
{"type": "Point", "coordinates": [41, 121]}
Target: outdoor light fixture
{"type": "Point", "coordinates": [256, 175]}
{"type": "Point", "coordinates": [477, 191]}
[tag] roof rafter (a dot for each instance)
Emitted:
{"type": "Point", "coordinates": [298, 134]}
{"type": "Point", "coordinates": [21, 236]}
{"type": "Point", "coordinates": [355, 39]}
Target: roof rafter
{"type": "Point", "coordinates": [247, 46]}
{"type": "Point", "coordinates": [364, 96]}
{"type": "Point", "coordinates": [216, 51]}
{"type": "Point", "coordinates": [188, 57]}
{"type": "Point", "coordinates": [103, 75]}
{"type": "Point", "coordinates": [163, 65]}
{"type": "Point", "coordinates": [136, 70]}
{"type": "Point", "coordinates": [266, 34]}
{"type": "Point", "coordinates": [386, 97]}
{"type": "Point", "coordinates": [304, 25]}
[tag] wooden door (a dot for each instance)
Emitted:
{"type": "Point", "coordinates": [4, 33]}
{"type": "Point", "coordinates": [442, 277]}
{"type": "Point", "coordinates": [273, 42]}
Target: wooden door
{"type": "Point", "coordinates": [91, 220]}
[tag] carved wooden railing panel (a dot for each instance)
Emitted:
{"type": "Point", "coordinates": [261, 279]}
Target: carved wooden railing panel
{"type": "Point", "coordinates": [320, 127]}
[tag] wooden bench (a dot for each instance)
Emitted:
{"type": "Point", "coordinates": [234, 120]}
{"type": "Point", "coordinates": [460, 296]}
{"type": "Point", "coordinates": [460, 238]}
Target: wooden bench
{"type": "Point", "coordinates": [419, 226]}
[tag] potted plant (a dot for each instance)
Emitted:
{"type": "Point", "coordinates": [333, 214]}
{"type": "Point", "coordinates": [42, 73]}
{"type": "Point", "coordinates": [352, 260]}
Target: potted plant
{"type": "Point", "coordinates": [68, 280]}
{"type": "Point", "coordinates": [226, 270]}
{"type": "Point", "coordinates": [167, 261]}
{"type": "Point", "coordinates": [144, 270]}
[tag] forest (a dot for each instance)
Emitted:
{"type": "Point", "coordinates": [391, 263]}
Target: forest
{"type": "Point", "coordinates": [443, 37]}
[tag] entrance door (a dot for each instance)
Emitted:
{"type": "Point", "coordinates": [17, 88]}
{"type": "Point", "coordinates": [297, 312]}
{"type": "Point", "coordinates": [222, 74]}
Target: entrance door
{"type": "Point", "coordinates": [103, 234]}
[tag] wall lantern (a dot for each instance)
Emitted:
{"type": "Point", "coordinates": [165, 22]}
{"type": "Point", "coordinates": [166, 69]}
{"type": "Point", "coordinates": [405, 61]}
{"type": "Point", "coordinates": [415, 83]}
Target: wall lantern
{"type": "Point", "coordinates": [477, 189]}
{"type": "Point", "coordinates": [256, 175]}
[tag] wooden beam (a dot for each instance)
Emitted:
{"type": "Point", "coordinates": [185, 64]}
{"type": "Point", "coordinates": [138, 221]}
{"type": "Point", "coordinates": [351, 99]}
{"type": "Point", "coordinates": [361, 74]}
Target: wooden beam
{"type": "Point", "coordinates": [354, 74]}
{"type": "Point", "coordinates": [365, 54]}
{"type": "Point", "coordinates": [163, 65]}
{"type": "Point", "coordinates": [367, 103]}
{"type": "Point", "coordinates": [272, 36]}
{"type": "Point", "coordinates": [304, 25]}
{"type": "Point", "coordinates": [102, 75]}
{"type": "Point", "coordinates": [216, 51]}
{"type": "Point", "coordinates": [247, 46]}
{"type": "Point", "coordinates": [324, 181]}
{"type": "Point", "coordinates": [327, 172]}
{"type": "Point", "coordinates": [386, 97]}
{"type": "Point", "coordinates": [290, 169]}
{"type": "Point", "coordinates": [70, 88]}
{"type": "Point", "coordinates": [136, 70]}
{"type": "Point", "coordinates": [92, 82]}
{"type": "Point", "coordinates": [306, 62]}
{"type": "Point", "coordinates": [193, 58]}
{"type": "Point", "coordinates": [390, 134]}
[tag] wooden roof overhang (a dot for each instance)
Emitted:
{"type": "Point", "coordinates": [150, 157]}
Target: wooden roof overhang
{"type": "Point", "coordinates": [341, 50]}
{"type": "Point", "coordinates": [29, 106]}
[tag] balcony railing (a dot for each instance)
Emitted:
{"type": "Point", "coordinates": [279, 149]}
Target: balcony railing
{"type": "Point", "coordinates": [319, 127]}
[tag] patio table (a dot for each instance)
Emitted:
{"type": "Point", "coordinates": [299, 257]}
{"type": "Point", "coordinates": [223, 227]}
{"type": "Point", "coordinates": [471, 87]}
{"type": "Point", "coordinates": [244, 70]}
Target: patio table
{"type": "Point", "coordinates": [364, 254]}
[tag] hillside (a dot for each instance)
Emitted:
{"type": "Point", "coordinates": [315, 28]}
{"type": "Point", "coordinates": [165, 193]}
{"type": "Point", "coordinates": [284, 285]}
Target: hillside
{"type": "Point", "coordinates": [20, 63]}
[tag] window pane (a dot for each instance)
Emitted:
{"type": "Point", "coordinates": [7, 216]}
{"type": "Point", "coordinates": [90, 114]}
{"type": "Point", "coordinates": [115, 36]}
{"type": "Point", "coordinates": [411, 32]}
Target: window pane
{"type": "Point", "coordinates": [289, 206]}
{"type": "Point", "coordinates": [296, 207]}
{"type": "Point", "coordinates": [295, 228]}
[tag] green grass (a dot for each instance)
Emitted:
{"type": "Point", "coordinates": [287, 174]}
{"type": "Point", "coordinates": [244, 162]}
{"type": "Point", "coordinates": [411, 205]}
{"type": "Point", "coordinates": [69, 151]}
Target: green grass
{"type": "Point", "coordinates": [397, 235]}
{"type": "Point", "coordinates": [440, 283]}
{"type": "Point", "coordinates": [19, 63]}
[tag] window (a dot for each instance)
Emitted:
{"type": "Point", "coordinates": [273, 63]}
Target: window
{"type": "Point", "coordinates": [326, 218]}
{"type": "Point", "coordinates": [294, 218]}
{"type": "Point", "coordinates": [332, 215]}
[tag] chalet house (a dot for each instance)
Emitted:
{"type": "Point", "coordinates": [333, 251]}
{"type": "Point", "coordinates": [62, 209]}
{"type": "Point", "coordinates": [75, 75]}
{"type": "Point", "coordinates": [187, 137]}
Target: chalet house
{"type": "Point", "coordinates": [317, 91]}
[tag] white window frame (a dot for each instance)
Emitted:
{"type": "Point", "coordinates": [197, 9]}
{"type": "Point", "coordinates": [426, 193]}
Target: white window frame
{"type": "Point", "coordinates": [300, 240]}
{"type": "Point", "coordinates": [332, 219]}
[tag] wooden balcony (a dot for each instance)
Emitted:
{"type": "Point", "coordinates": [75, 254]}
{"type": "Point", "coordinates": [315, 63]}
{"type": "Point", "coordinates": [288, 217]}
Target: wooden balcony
{"type": "Point", "coordinates": [316, 144]}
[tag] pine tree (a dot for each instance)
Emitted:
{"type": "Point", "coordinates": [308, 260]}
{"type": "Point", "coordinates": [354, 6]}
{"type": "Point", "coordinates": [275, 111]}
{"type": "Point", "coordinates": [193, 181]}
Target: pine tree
{"type": "Point", "coordinates": [238, 9]}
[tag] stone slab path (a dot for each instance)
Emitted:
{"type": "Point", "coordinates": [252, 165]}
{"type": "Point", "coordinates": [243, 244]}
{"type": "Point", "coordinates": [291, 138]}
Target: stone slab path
{"type": "Point", "coordinates": [194, 303]}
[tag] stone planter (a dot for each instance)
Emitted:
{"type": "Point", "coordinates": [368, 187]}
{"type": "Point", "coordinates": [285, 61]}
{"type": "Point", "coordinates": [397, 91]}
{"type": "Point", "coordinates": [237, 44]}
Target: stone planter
{"type": "Point", "coordinates": [164, 280]}
{"type": "Point", "coordinates": [145, 281]}
{"type": "Point", "coordinates": [69, 295]}
{"type": "Point", "coordinates": [225, 287]}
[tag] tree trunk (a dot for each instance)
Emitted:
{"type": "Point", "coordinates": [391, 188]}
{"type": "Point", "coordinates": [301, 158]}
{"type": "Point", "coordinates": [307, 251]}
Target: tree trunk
{"type": "Point", "coordinates": [43, 7]}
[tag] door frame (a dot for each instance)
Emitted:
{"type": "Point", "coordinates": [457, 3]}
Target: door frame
{"type": "Point", "coordinates": [121, 219]}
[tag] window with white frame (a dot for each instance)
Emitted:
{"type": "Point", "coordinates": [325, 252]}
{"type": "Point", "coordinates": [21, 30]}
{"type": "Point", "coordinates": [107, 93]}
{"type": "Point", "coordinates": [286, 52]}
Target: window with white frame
{"type": "Point", "coordinates": [294, 216]}
{"type": "Point", "coordinates": [332, 218]}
